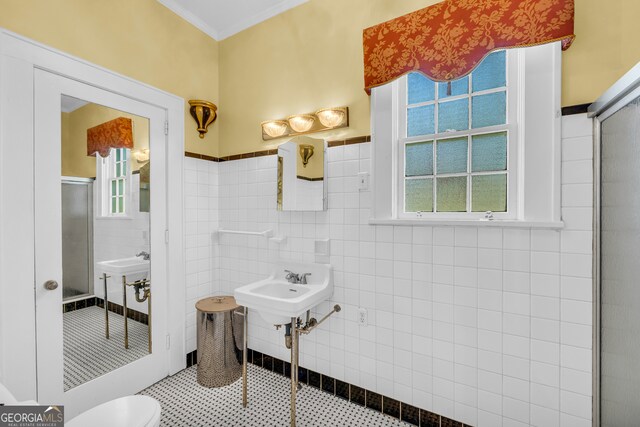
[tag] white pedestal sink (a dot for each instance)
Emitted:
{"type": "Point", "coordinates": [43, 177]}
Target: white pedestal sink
{"type": "Point", "coordinates": [277, 300]}
{"type": "Point", "coordinates": [134, 268]}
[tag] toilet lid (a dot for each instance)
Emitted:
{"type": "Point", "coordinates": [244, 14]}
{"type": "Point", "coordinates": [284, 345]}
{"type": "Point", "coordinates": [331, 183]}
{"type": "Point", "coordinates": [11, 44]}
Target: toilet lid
{"type": "Point", "coordinates": [129, 411]}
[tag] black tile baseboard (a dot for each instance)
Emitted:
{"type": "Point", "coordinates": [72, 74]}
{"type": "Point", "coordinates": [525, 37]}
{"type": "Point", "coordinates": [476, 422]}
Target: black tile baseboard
{"type": "Point", "coordinates": [138, 316]}
{"type": "Point", "coordinates": [192, 358]}
{"type": "Point", "coordinates": [357, 395]}
{"type": "Point", "coordinates": [79, 304]}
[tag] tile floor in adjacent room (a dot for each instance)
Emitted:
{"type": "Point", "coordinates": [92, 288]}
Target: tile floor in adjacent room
{"type": "Point", "coordinates": [185, 403]}
{"type": "Point", "coordinates": [88, 354]}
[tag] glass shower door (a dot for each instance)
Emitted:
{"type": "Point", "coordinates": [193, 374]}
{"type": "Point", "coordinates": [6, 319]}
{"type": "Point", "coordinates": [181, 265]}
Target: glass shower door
{"type": "Point", "coordinates": [620, 268]}
{"type": "Point", "coordinates": [77, 238]}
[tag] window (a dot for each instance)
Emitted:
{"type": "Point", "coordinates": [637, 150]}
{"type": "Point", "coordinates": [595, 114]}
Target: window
{"type": "Point", "coordinates": [117, 180]}
{"type": "Point", "coordinates": [454, 142]}
{"type": "Point", "coordinates": [113, 174]}
{"type": "Point", "coordinates": [489, 141]}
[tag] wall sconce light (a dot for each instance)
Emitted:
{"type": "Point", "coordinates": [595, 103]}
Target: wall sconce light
{"type": "Point", "coordinates": [141, 156]}
{"type": "Point", "coordinates": [204, 113]}
{"type": "Point", "coordinates": [300, 124]}
{"type": "Point", "coordinates": [306, 152]}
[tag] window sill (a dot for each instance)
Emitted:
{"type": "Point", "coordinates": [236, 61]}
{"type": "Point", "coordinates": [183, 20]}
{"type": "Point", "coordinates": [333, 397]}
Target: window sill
{"type": "Point", "coordinates": [548, 225]}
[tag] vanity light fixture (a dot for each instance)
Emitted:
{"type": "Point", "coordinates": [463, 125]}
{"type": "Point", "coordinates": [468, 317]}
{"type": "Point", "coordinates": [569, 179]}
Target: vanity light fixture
{"type": "Point", "coordinates": [306, 152]}
{"type": "Point", "coordinates": [204, 113]}
{"type": "Point", "coordinates": [300, 124]}
{"type": "Point", "coordinates": [274, 128]}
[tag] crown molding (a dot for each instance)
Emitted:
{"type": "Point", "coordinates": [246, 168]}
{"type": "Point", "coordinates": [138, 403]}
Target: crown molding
{"type": "Point", "coordinates": [191, 18]}
{"type": "Point", "coordinates": [252, 20]}
{"type": "Point", "coordinates": [226, 31]}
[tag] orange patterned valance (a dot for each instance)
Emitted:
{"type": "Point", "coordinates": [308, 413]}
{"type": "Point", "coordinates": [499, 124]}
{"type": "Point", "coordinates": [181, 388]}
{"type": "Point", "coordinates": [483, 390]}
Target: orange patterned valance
{"type": "Point", "coordinates": [116, 133]}
{"type": "Point", "coordinates": [447, 40]}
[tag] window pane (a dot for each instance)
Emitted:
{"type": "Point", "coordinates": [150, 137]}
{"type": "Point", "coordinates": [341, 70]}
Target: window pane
{"type": "Point", "coordinates": [452, 194]}
{"type": "Point", "coordinates": [489, 152]}
{"type": "Point", "coordinates": [118, 154]}
{"type": "Point", "coordinates": [489, 193]}
{"type": "Point", "coordinates": [118, 169]}
{"type": "Point", "coordinates": [491, 73]}
{"type": "Point", "coordinates": [121, 204]}
{"type": "Point", "coordinates": [120, 187]}
{"type": "Point", "coordinates": [420, 88]}
{"type": "Point", "coordinates": [124, 168]}
{"type": "Point", "coordinates": [453, 115]}
{"type": "Point", "coordinates": [420, 121]}
{"type": "Point", "coordinates": [114, 205]}
{"type": "Point", "coordinates": [419, 159]}
{"type": "Point", "coordinates": [113, 188]}
{"type": "Point", "coordinates": [452, 155]}
{"type": "Point", "coordinates": [489, 110]}
{"type": "Point", "coordinates": [418, 195]}
{"type": "Point", "coordinates": [458, 87]}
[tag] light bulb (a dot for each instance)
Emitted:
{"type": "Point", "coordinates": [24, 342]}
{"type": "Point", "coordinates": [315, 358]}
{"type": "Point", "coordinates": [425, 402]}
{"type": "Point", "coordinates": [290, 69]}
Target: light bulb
{"type": "Point", "coordinates": [274, 128]}
{"type": "Point", "coordinates": [301, 122]}
{"type": "Point", "coordinates": [331, 117]}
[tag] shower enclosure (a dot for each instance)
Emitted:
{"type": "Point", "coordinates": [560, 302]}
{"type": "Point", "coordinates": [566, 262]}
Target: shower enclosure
{"type": "Point", "coordinates": [617, 245]}
{"type": "Point", "coordinates": [77, 238]}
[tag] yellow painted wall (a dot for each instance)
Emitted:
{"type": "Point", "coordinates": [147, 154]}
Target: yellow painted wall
{"type": "Point", "coordinates": [605, 48]}
{"type": "Point", "coordinates": [311, 57]}
{"type": "Point", "coordinates": [75, 161]}
{"type": "Point", "coordinates": [138, 38]}
{"type": "Point", "coordinates": [305, 59]}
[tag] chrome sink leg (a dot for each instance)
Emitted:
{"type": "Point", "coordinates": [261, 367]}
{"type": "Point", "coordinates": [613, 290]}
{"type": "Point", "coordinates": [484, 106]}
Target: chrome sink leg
{"type": "Point", "coordinates": [244, 358]}
{"type": "Point", "coordinates": [294, 367]}
{"type": "Point", "coordinates": [124, 303]}
{"type": "Point", "coordinates": [106, 306]}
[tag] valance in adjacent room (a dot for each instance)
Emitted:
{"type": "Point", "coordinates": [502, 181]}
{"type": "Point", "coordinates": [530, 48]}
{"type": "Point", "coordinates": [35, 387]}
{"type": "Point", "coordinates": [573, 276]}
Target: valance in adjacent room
{"type": "Point", "coordinates": [116, 133]}
{"type": "Point", "coordinates": [447, 40]}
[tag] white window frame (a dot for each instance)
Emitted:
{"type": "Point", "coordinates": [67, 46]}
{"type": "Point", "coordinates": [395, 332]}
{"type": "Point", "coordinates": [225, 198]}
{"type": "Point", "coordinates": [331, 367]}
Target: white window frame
{"type": "Point", "coordinates": [534, 77]}
{"type": "Point", "coordinates": [105, 173]}
{"type": "Point", "coordinates": [511, 127]}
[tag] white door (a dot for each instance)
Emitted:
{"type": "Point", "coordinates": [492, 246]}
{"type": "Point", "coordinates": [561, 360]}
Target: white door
{"type": "Point", "coordinates": [133, 377]}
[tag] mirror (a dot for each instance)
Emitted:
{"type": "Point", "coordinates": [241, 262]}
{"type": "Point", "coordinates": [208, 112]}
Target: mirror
{"type": "Point", "coordinates": [301, 175]}
{"type": "Point", "coordinates": [105, 239]}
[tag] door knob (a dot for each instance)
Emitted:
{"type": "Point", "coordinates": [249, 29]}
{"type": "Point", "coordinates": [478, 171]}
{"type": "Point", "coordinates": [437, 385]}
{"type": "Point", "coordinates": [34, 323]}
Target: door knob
{"type": "Point", "coordinates": [50, 285]}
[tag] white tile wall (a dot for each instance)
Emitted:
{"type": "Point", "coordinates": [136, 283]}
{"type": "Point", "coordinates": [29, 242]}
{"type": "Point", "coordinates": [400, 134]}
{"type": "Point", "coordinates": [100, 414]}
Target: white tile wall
{"type": "Point", "coordinates": [201, 218]}
{"type": "Point", "coordinates": [489, 326]}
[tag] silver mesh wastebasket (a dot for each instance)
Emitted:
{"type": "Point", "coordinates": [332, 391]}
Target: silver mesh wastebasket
{"type": "Point", "coordinates": [220, 337]}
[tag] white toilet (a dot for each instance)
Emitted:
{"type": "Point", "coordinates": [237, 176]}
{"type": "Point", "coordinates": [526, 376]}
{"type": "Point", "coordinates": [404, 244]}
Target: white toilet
{"type": "Point", "coordinates": [128, 411]}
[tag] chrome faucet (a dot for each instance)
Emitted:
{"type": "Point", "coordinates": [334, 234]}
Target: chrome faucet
{"type": "Point", "coordinates": [303, 278]}
{"type": "Point", "coordinates": [299, 279]}
{"type": "Point", "coordinates": [145, 255]}
{"type": "Point", "coordinates": [292, 277]}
